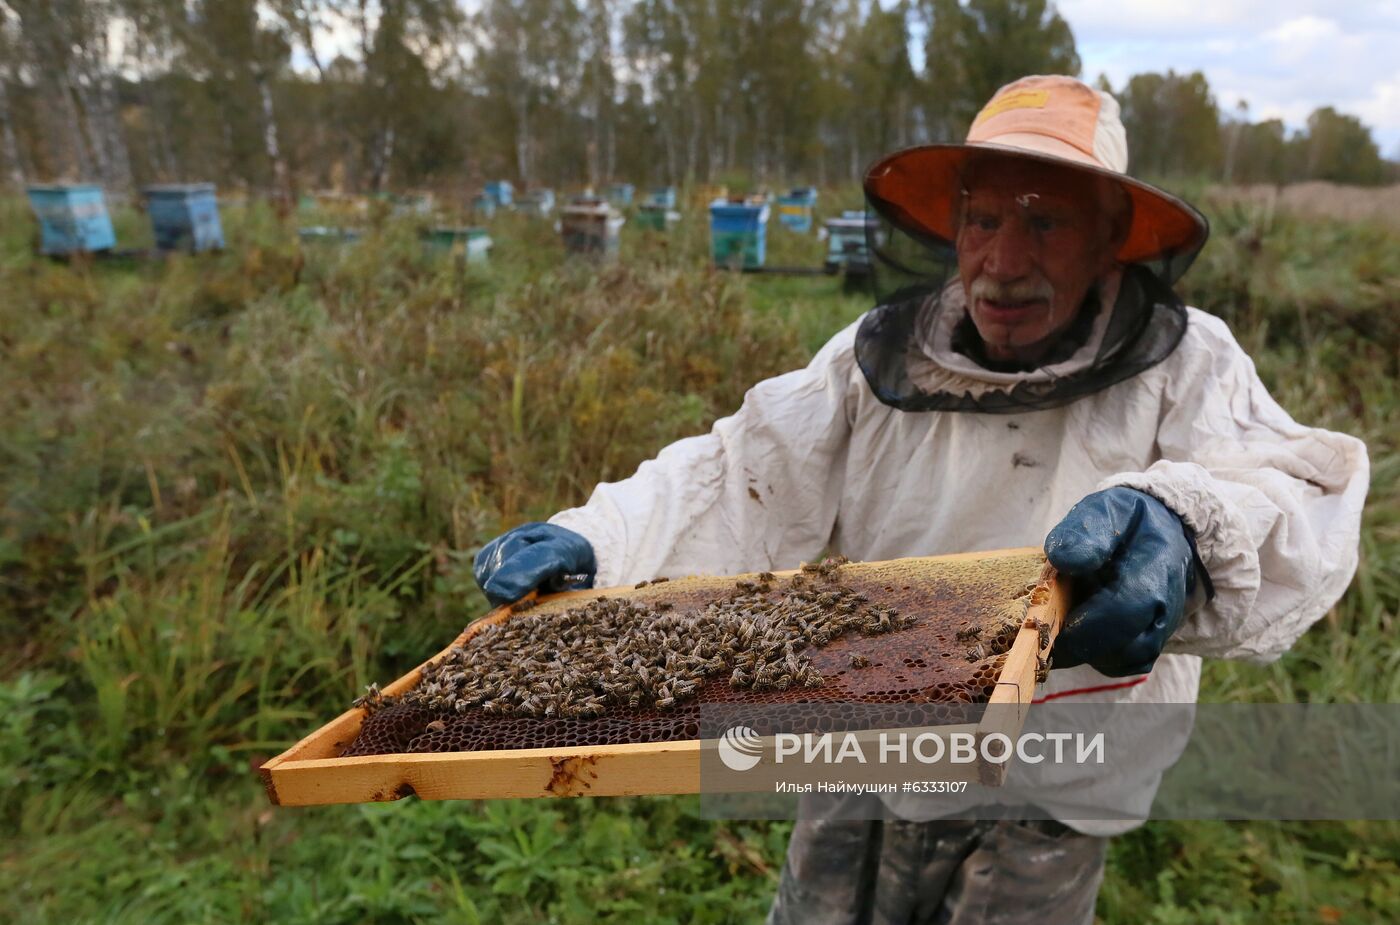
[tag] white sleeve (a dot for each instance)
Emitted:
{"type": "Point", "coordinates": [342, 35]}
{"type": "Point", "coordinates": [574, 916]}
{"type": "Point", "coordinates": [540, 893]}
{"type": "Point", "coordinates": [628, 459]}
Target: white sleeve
{"type": "Point", "coordinates": [760, 491]}
{"type": "Point", "coordinates": [1276, 506]}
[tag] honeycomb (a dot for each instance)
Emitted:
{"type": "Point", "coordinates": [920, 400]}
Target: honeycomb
{"type": "Point", "coordinates": [925, 639]}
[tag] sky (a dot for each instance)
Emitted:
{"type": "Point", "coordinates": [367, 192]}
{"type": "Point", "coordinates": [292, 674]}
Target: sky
{"type": "Point", "coordinates": [1284, 58]}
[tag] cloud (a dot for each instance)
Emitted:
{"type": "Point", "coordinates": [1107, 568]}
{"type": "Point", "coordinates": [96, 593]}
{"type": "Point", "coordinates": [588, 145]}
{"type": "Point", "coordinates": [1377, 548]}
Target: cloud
{"type": "Point", "coordinates": [1284, 57]}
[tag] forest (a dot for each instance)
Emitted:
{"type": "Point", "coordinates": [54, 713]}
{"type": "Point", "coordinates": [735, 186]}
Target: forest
{"type": "Point", "coordinates": [433, 94]}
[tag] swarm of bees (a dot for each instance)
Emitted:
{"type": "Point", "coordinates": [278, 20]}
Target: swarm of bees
{"type": "Point", "coordinates": [613, 653]}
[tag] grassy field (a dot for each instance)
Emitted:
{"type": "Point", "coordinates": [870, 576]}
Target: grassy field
{"type": "Point", "coordinates": [236, 488]}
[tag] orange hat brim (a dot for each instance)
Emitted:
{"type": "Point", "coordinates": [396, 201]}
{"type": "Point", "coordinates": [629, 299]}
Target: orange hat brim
{"type": "Point", "coordinates": [915, 188]}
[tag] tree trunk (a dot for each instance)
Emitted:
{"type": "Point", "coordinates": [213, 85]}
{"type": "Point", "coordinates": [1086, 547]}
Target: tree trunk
{"type": "Point", "coordinates": [521, 104]}
{"type": "Point", "coordinates": [9, 144]}
{"type": "Point", "coordinates": [281, 187]}
{"type": "Point", "coordinates": [84, 160]}
{"type": "Point", "coordinates": [381, 159]}
{"type": "Point", "coordinates": [118, 173]}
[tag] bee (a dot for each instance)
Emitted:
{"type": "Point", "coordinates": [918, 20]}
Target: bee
{"type": "Point", "coordinates": [1044, 631]}
{"type": "Point", "coordinates": [859, 661]}
{"type": "Point", "coordinates": [371, 699]}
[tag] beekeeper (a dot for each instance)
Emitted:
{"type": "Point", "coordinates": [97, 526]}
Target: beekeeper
{"type": "Point", "coordinates": [1029, 376]}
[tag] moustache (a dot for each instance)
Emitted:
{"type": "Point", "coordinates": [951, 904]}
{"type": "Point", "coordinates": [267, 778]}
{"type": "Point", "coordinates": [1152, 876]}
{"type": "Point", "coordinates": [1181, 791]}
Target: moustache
{"type": "Point", "coordinates": [1028, 290]}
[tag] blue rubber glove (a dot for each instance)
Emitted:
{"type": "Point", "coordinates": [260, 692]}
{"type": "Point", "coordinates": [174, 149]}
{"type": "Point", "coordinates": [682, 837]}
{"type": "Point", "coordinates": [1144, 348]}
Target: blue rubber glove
{"type": "Point", "coordinates": [1134, 566]}
{"type": "Point", "coordinates": [531, 556]}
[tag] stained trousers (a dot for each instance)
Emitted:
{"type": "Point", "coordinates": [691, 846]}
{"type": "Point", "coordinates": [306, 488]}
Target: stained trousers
{"type": "Point", "coordinates": [945, 872]}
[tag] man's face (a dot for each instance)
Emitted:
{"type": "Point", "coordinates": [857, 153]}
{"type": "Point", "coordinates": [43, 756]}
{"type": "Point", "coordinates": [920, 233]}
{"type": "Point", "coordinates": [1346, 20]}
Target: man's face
{"type": "Point", "coordinates": [1031, 241]}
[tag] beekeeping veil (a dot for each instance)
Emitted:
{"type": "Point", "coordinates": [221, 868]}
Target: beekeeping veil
{"type": "Point", "coordinates": [918, 349]}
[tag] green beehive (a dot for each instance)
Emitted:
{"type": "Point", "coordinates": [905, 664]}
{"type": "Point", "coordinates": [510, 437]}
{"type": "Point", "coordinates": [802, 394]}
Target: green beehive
{"type": "Point", "coordinates": [474, 244]}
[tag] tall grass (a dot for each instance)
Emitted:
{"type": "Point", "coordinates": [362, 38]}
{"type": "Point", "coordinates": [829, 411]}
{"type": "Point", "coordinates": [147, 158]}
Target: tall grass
{"type": "Point", "coordinates": [237, 487]}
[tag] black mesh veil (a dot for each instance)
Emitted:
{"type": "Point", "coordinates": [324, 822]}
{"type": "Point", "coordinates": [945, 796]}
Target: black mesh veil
{"type": "Point", "coordinates": [915, 280]}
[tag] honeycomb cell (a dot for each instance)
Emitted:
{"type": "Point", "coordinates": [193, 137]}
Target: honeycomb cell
{"type": "Point", "coordinates": [638, 666]}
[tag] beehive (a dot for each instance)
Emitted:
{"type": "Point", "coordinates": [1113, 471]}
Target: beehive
{"type": "Point", "coordinates": [73, 219]}
{"type": "Point", "coordinates": [184, 216]}
{"type": "Point", "coordinates": [620, 195]}
{"type": "Point", "coordinates": [484, 207]}
{"type": "Point", "coordinates": [536, 203]}
{"type": "Point", "coordinates": [956, 639]}
{"type": "Point", "coordinates": [739, 233]}
{"type": "Point", "coordinates": [500, 192]}
{"type": "Point", "coordinates": [591, 227]}
{"type": "Point", "coordinates": [663, 197]}
{"type": "Point", "coordinates": [795, 209]}
{"type": "Point", "coordinates": [472, 244]}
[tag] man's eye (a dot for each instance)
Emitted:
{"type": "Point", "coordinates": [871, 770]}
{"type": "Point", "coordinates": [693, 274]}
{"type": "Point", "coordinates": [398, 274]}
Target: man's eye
{"type": "Point", "coordinates": [985, 222]}
{"type": "Point", "coordinates": [1044, 223]}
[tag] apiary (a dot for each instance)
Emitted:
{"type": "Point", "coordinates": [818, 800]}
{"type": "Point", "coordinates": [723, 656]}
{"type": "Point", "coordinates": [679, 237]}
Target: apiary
{"type": "Point", "coordinates": [613, 680]}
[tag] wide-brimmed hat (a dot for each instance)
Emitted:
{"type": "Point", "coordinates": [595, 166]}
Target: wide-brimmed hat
{"type": "Point", "coordinates": [1056, 120]}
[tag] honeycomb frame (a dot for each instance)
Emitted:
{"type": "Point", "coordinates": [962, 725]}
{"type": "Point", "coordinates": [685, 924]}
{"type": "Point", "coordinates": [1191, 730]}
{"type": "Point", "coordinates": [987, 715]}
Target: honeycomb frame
{"type": "Point", "coordinates": [313, 771]}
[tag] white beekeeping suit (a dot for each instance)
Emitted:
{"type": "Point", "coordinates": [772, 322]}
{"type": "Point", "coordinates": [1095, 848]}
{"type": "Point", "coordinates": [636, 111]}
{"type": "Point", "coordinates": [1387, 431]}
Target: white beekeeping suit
{"type": "Point", "coordinates": [814, 461]}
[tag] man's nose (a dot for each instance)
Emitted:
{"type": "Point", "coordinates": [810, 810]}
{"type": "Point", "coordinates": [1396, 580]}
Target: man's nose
{"type": "Point", "coordinates": [1009, 256]}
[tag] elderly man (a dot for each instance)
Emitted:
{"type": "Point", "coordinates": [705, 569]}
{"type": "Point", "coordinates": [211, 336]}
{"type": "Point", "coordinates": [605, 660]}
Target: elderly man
{"type": "Point", "coordinates": [1037, 379]}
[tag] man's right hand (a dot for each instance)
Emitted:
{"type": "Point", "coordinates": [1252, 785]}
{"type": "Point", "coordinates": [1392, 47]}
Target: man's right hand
{"type": "Point", "coordinates": [536, 555]}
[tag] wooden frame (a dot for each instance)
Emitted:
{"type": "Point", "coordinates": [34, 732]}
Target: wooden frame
{"type": "Point", "coordinates": [310, 773]}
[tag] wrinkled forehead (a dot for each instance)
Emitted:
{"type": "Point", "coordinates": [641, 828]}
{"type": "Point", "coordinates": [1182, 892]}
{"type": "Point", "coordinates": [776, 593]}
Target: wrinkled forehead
{"type": "Point", "coordinates": [993, 182]}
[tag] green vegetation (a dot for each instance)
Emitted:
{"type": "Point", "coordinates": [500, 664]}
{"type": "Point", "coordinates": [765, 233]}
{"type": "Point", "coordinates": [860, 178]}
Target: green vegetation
{"type": "Point", "coordinates": [235, 489]}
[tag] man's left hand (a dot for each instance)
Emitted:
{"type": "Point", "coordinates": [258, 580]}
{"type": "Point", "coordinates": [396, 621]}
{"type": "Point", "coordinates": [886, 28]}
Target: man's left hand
{"type": "Point", "coordinates": [1133, 569]}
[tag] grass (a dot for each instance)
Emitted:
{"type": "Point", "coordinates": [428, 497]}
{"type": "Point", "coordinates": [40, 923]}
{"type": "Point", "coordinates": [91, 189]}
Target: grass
{"type": "Point", "coordinates": [236, 488]}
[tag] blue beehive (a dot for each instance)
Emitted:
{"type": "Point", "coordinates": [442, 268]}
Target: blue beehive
{"type": "Point", "coordinates": [795, 209]}
{"type": "Point", "coordinates": [73, 218]}
{"type": "Point", "coordinates": [185, 216]}
{"type": "Point", "coordinates": [620, 194]}
{"type": "Point", "coordinates": [484, 206]}
{"type": "Point", "coordinates": [500, 192]}
{"type": "Point", "coordinates": [663, 197]}
{"type": "Point", "coordinates": [738, 233]}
